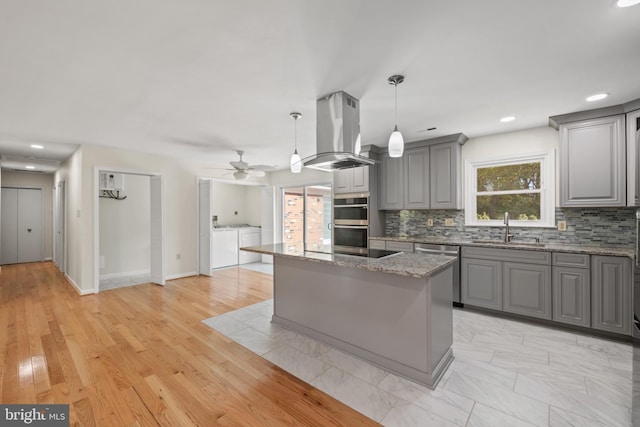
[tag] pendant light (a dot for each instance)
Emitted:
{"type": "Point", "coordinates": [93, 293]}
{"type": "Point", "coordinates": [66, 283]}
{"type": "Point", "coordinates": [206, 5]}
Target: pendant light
{"type": "Point", "coordinates": [396, 141]}
{"type": "Point", "coordinates": [296, 162]}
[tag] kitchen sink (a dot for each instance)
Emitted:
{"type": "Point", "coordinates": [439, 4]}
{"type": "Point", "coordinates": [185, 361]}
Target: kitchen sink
{"type": "Point", "coordinates": [503, 243]}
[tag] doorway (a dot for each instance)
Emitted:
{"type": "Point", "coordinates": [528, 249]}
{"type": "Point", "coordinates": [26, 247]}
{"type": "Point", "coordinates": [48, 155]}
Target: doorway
{"type": "Point", "coordinates": [22, 225]}
{"type": "Point", "coordinates": [139, 206]}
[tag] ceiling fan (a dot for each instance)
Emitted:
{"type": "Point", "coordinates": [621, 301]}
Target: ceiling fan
{"type": "Point", "coordinates": [241, 169]}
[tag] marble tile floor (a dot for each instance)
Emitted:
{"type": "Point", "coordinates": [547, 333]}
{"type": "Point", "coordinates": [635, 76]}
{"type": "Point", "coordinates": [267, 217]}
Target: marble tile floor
{"type": "Point", "coordinates": [505, 373]}
{"type": "Point", "coordinates": [261, 267]}
{"type": "Point", "coordinates": [121, 282]}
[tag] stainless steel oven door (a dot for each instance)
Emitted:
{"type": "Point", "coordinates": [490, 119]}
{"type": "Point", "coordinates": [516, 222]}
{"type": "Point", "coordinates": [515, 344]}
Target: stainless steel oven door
{"type": "Point", "coordinates": [355, 236]}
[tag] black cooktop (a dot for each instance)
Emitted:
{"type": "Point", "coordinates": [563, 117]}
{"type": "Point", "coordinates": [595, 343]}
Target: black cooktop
{"type": "Point", "coordinates": [371, 253]}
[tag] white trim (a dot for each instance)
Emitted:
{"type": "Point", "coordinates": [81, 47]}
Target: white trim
{"type": "Point", "coordinates": [48, 258]}
{"type": "Point", "coordinates": [547, 189]}
{"type": "Point", "coordinates": [77, 288]}
{"type": "Point", "coordinates": [181, 275]}
{"type": "Point", "coordinates": [125, 274]}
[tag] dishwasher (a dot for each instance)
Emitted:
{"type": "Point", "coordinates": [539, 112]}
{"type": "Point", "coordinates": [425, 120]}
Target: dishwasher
{"type": "Point", "coordinates": [445, 250]}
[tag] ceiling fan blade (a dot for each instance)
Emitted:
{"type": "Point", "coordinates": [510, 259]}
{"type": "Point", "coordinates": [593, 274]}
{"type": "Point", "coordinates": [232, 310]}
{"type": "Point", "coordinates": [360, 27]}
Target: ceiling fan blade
{"type": "Point", "coordinates": [239, 165]}
{"type": "Point", "coordinates": [266, 168]}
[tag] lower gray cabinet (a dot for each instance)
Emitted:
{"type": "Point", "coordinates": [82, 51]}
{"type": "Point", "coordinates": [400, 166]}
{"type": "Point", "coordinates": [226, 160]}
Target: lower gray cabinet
{"type": "Point", "coordinates": [482, 283]}
{"type": "Point", "coordinates": [572, 295]}
{"type": "Point", "coordinates": [527, 289]}
{"type": "Point", "coordinates": [611, 294]}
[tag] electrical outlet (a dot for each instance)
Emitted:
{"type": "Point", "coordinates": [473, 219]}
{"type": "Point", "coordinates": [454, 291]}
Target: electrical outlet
{"type": "Point", "coordinates": [177, 256]}
{"type": "Point", "coordinates": [562, 225]}
{"type": "Point", "coordinates": [430, 222]}
{"type": "Point", "coordinates": [448, 222]}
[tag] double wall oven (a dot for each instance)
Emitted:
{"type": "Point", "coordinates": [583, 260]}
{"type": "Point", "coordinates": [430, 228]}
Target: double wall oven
{"type": "Point", "coordinates": [351, 222]}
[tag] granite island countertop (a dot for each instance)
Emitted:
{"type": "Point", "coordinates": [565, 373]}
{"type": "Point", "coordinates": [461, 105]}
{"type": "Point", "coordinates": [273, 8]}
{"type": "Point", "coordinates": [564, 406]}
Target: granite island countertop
{"type": "Point", "coordinates": [522, 245]}
{"type": "Point", "coordinates": [404, 264]}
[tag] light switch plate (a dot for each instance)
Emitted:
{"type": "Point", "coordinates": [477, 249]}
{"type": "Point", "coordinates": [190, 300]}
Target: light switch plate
{"type": "Point", "coordinates": [562, 225]}
{"type": "Point", "coordinates": [430, 222]}
{"type": "Point", "coordinates": [448, 222]}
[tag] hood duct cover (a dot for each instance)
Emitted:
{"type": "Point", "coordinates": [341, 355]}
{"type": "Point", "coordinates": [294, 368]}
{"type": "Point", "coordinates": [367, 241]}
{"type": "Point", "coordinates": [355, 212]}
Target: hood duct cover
{"type": "Point", "coordinates": [338, 134]}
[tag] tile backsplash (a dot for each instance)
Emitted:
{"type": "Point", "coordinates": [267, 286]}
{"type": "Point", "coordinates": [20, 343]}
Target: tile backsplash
{"type": "Point", "coordinates": [585, 226]}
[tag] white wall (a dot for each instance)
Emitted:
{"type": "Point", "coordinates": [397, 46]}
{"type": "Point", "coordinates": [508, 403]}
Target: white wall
{"type": "Point", "coordinates": [125, 239]}
{"type": "Point", "coordinates": [536, 140]}
{"type": "Point", "coordinates": [226, 199]}
{"type": "Point", "coordinates": [36, 180]}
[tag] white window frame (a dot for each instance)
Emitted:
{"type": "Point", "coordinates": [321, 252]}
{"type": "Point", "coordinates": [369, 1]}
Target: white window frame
{"type": "Point", "coordinates": [547, 189]}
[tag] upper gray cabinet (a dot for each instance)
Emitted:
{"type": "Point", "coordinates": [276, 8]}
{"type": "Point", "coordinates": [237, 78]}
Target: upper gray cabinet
{"type": "Point", "coordinates": [357, 180]}
{"type": "Point", "coordinates": [633, 158]}
{"type": "Point", "coordinates": [444, 169]}
{"type": "Point", "coordinates": [592, 162]}
{"type": "Point", "coordinates": [425, 177]}
{"type": "Point", "coordinates": [352, 180]}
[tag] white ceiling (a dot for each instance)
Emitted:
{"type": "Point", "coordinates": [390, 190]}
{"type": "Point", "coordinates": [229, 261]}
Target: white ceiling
{"type": "Point", "coordinates": [198, 79]}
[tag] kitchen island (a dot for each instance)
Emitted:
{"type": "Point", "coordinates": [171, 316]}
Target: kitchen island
{"type": "Point", "coordinates": [394, 312]}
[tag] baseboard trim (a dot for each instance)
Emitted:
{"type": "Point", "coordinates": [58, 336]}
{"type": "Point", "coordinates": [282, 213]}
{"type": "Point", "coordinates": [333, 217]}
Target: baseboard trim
{"type": "Point", "coordinates": [48, 258]}
{"type": "Point", "coordinates": [181, 275]}
{"type": "Point", "coordinates": [76, 287]}
{"type": "Point", "coordinates": [125, 274]}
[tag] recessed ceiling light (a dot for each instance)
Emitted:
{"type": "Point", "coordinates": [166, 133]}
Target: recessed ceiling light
{"type": "Point", "coordinates": [597, 96]}
{"type": "Point", "coordinates": [29, 167]}
{"type": "Point", "coordinates": [508, 119]}
{"type": "Point", "coordinates": [627, 3]}
{"type": "Point", "coordinates": [426, 130]}
{"type": "Point", "coordinates": [37, 146]}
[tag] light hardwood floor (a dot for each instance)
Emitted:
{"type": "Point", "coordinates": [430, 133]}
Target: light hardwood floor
{"type": "Point", "coordinates": [141, 355]}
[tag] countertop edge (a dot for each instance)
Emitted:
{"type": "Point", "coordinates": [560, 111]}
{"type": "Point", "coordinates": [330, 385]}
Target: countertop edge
{"type": "Point", "coordinates": [544, 247]}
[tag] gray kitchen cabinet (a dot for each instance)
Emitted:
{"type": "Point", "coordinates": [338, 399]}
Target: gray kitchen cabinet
{"type": "Point", "coordinates": [391, 183]}
{"type": "Point", "coordinates": [399, 246]}
{"type": "Point", "coordinates": [592, 162]}
{"type": "Point", "coordinates": [444, 178]}
{"type": "Point", "coordinates": [427, 176]}
{"type": "Point", "coordinates": [633, 158]}
{"type": "Point", "coordinates": [526, 289]}
{"type": "Point", "coordinates": [352, 180]}
{"type": "Point", "coordinates": [416, 178]}
{"type": "Point", "coordinates": [481, 283]}
{"type": "Point", "coordinates": [611, 294]}
{"type": "Point", "coordinates": [571, 288]}
{"type": "Point", "coordinates": [572, 295]}
{"type": "Point", "coordinates": [377, 244]}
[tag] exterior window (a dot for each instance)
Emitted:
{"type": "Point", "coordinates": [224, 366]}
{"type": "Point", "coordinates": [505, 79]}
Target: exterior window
{"type": "Point", "coordinates": [522, 186]}
{"type": "Point", "coordinates": [306, 216]}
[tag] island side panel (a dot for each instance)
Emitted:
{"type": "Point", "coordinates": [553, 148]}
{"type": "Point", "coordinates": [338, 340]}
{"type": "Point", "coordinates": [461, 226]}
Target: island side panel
{"type": "Point", "coordinates": [441, 317]}
{"type": "Point", "coordinates": [382, 313]}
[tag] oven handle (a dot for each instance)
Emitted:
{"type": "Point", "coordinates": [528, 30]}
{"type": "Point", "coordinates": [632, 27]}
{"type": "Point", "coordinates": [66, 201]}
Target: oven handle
{"type": "Point", "coordinates": [358, 227]}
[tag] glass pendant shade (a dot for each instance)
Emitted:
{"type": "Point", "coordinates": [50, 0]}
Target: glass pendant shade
{"type": "Point", "coordinates": [396, 143]}
{"type": "Point", "coordinates": [296, 162]}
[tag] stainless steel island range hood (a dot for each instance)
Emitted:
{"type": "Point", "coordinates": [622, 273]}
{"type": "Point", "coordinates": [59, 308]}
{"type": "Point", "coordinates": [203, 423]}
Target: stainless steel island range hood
{"type": "Point", "coordinates": [338, 134]}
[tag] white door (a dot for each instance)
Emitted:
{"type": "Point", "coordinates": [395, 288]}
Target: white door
{"type": "Point", "coordinates": [9, 226]}
{"type": "Point", "coordinates": [204, 227]}
{"type": "Point", "coordinates": [22, 225]}
{"type": "Point", "coordinates": [157, 235]}
{"type": "Point", "coordinates": [59, 226]}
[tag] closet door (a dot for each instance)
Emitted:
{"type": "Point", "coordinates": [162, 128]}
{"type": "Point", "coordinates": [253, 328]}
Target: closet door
{"type": "Point", "coordinates": [30, 225]}
{"type": "Point", "coordinates": [22, 225]}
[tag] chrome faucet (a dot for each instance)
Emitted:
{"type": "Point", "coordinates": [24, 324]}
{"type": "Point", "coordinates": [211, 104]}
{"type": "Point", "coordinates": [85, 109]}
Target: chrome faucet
{"type": "Point", "coordinates": [507, 236]}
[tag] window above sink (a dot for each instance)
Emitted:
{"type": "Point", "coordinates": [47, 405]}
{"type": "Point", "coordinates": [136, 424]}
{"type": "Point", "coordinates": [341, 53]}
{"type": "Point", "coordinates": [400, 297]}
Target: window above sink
{"type": "Point", "coordinates": [524, 186]}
